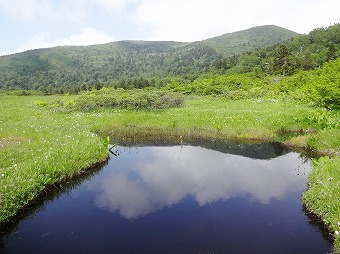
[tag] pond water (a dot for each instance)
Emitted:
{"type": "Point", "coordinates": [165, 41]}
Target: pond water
{"type": "Point", "coordinates": [225, 198]}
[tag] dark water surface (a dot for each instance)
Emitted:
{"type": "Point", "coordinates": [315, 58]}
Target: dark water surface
{"type": "Point", "coordinates": [236, 198]}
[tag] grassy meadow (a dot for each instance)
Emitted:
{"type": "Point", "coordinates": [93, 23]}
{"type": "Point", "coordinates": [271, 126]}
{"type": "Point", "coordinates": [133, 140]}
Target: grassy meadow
{"type": "Point", "coordinates": [48, 139]}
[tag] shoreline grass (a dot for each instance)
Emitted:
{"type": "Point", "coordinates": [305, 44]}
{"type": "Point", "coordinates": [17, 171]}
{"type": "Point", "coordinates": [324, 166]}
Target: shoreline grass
{"type": "Point", "coordinates": [40, 144]}
{"type": "Point", "coordinates": [39, 148]}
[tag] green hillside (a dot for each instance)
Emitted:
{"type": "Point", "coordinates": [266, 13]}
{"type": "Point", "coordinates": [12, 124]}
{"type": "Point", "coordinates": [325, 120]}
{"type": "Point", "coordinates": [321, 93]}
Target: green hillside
{"type": "Point", "coordinates": [71, 68]}
{"type": "Point", "coordinates": [303, 52]}
{"type": "Point", "coordinates": [250, 39]}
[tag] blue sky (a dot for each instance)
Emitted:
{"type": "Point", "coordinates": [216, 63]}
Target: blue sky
{"type": "Point", "coordinates": [30, 24]}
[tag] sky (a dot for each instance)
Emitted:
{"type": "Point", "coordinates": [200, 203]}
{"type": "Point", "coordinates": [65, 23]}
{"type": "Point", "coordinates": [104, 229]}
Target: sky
{"type": "Point", "coordinates": [31, 24]}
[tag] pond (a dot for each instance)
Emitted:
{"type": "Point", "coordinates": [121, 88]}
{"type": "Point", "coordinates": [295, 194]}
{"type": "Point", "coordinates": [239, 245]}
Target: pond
{"type": "Point", "coordinates": [221, 198]}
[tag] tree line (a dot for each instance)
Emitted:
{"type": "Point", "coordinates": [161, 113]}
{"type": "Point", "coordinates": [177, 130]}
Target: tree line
{"type": "Point", "coordinates": [304, 52]}
{"type": "Point", "coordinates": [132, 64]}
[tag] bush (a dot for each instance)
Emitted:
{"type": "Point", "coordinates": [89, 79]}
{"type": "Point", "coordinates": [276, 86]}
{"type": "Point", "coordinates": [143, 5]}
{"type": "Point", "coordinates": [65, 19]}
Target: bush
{"type": "Point", "coordinates": [234, 86]}
{"type": "Point", "coordinates": [136, 98]}
{"type": "Point", "coordinates": [325, 88]}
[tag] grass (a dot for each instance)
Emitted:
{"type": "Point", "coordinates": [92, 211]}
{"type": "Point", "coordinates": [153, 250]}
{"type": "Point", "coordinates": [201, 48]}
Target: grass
{"type": "Point", "coordinates": [249, 119]}
{"type": "Point", "coordinates": [322, 198]}
{"type": "Point", "coordinates": [39, 148]}
{"type": "Point", "coordinates": [42, 143]}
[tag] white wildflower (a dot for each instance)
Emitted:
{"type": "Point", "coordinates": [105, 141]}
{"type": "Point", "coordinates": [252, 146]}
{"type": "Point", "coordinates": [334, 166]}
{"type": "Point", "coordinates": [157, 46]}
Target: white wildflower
{"type": "Point", "coordinates": [336, 232]}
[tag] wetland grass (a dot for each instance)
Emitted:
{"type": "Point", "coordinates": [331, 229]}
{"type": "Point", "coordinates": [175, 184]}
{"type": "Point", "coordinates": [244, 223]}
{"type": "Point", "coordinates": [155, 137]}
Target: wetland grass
{"type": "Point", "coordinates": [322, 196]}
{"type": "Point", "coordinates": [41, 144]}
{"type": "Point", "coordinates": [39, 148]}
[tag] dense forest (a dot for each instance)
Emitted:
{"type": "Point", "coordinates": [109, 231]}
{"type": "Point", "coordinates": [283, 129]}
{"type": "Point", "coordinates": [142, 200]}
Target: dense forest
{"type": "Point", "coordinates": [128, 63]}
{"type": "Point", "coordinates": [303, 52]}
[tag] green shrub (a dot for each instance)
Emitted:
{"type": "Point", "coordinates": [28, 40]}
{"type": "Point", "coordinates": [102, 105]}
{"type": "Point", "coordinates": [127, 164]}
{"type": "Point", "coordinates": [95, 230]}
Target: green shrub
{"type": "Point", "coordinates": [325, 88]}
{"type": "Point", "coordinates": [323, 119]}
{"type": "Point", "coordinates": [136, 98]}
{"type": "Point", "coordinates": [41, 103]}
{"type": "Point", "coordinates": [234, 86]}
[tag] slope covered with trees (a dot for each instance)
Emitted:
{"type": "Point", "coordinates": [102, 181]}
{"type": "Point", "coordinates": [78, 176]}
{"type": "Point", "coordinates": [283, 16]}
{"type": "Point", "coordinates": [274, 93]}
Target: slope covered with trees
{"type": "Point", "coordinates": [65, 67]}
{"type": "Point", "coordinates": [250, 39]}
{"type": "Point", "coordinates": [303, 52]}
{"type": "Point", "coordinates": [70, 69]}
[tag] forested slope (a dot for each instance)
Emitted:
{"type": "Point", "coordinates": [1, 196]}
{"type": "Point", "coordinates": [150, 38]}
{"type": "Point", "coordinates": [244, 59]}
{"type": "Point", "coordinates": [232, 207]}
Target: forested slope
{"type": "Point", "coordinates": [303, 52]}
{"type": "Point", "coordinates": [71, 68]}
{"type": "Point", "coordinates": [250, 39]}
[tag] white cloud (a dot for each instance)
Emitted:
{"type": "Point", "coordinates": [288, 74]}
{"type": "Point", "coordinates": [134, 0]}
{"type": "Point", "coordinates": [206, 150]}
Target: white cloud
{"type": "Point", "coordinates": [88, 36]}
{"type": "Point", "coordinates": [27, 9]}
{"type": "Point", "coordinates": [315, 14]}
{"type": "Point", "coordinates": [200, 19]}
{"type": "Point", "coordinates": [194, 20]}
{"type": "Point", "coordinates": [165, 176]}
{"type": "Point", "coordinates": [178, 20]}
{"type": "Point", "coordinates": [4, 53]}
{"type": "Point", "coordinates": [115, 5]}
{"type": "Point", "coordinates": [72, 10]}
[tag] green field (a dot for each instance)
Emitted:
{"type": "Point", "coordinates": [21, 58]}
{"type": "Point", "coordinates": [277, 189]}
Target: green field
{"type": "Point", "coordinates": [43, 141]}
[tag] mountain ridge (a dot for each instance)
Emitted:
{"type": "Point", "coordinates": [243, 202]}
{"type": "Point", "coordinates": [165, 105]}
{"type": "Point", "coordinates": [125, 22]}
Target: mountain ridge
{"type": "Point", "coordinates": [104, 63]}
{"type": "Point", "coordinates": [218, 37]}
{"type": "Point", "coordinates": [251, 37]}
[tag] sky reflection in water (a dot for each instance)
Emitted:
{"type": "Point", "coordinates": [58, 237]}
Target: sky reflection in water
{"type": "Point", "coordinates": [142, 180]}
{"type": "Point", "coordinates": [178, 200]}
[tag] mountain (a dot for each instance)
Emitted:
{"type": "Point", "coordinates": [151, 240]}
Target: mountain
{"type": "Point", "coordinates": [67, 67]}
{"type": "Point", "coordinates": [303, 52]}
{"type": "Point", "coordinates": [250, 39]}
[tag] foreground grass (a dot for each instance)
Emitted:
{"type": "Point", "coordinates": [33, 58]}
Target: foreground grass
{"type": "Point", "coordinates": [322, 198]}
{"type": "Point", "coordinates": [40, 144]}
{"type": "Point", "coordinates": [39, 148]}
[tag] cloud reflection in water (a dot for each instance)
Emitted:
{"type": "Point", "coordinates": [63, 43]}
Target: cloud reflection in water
{"type": "Point", "coordinates": [143, 180]}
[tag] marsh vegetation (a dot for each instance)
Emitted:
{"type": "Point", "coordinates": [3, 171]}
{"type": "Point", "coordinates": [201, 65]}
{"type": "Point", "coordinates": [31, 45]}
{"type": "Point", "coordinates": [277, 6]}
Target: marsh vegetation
{"type": "Point", "coordinates": [287, 92]}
